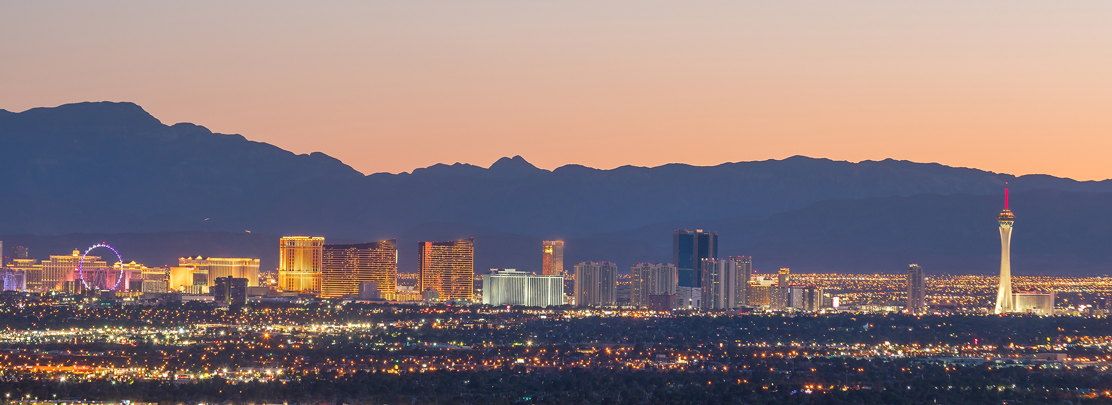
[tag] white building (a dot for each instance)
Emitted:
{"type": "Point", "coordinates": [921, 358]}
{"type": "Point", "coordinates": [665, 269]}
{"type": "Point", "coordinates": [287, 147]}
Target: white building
{"type": "Point", "coordinates": [1035, 303]}
{"type": "Point", "coordinates": [651, 279]}
{"type": "Point", "coordinates": [512, 287]}
{"type": "Point", "coordinates": [721, 281]}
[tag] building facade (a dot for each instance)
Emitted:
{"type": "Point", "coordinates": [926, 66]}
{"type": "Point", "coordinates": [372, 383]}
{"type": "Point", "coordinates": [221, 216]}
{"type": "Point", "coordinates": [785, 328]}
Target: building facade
{"type": "Point", "coordinates": [647, 279]}
{"type": "Point", "coordinates": [230, 290]}
{"type": "Point", "coordinates": [61, 268]}
{"type": "Point", "coordinates": [916, 289]}
{"type": "Point", "coordinates": [32, 272]}
{"type": "Point", "coordinates": [596, 284]}
{"type": "Point", "coordinates": [553, 258]}
{"type": "Point", "coordinates": [689, 248]}
{"type": "Point", "coordinates": [299, 263]}
{"type": "Point", "coordinates": [1034, 303]}
{"type": "Point", "coordinates": [512, 287]}
{"type": "Point", "coordinates": [744, 269]}
{"type": "Point", "coordinates": [217, 267]}
{"type": "Point", "coordinates": [447, 268]}
{"type": "Point", "coordinates": [720, 280]}
{"type": "Point", "coordinates": [346, 266]}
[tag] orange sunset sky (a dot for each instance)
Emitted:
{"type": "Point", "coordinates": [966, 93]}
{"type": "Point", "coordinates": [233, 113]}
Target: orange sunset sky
{"type": "Point", "coordinates": [1009, 86]}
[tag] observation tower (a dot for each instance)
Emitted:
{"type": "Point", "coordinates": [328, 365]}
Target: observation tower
{"type": "Point", "coordinates": [1004, 300]}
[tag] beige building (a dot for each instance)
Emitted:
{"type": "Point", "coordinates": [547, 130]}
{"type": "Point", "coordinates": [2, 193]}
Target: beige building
{"type": "Point", "coordinates": [59, 269]}
{"type": "Point", "coordinates": [300, 261]}
{"type": "Point", "coordinates": [217, 267]}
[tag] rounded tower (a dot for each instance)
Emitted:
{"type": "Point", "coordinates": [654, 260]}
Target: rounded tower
{"type": "Point", "coordinates": [1004, 300]}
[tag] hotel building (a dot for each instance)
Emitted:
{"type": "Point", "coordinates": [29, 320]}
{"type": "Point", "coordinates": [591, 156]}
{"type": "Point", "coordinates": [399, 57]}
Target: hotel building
{"type": "Point", "coordinates": [219, 267]}
{"type": "Point", "coordinates": [447, 268]}
{"type": "Point", "coordinates": [60, 268]}
{"type": "Point", "coordinates": [689, 248]}
{"type": "Point", "coordinates": [649, 279]}
{"type": "Point", "coordinates": [596, 284]}
{"type": "Point", "coordinates": [916, 289]}
{"type": "Point", "coordinates": [345, 267]}
{"type": "Point", "coordinates": [553, 258]}
{"type": "Point", "coordinates": [512, 287]}
{"type": "Point", "coordinates": [299, 263]}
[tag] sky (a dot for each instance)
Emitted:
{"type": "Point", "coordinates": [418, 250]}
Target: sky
{"type": "Point", "coordinates": [1019, 87]}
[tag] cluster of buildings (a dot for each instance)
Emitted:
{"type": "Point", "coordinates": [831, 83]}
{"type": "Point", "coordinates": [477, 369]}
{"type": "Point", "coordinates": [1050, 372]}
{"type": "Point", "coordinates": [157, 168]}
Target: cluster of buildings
{"type": "Point", "coordinates": [697, 278]}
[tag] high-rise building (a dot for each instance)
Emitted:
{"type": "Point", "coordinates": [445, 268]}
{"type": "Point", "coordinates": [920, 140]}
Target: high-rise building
{"type": "Point", "coordinates": [346, 266]}
{"type": "Point", "coordinates": [689, 248]}
{"type": "Point", "coordinates": [744, 265]}
{"type": "Point", "coordinates": [720, 283]}
{"type": "Point", "coordinates": [217, 267]}
{"type": "Point", "coordinates": [512, 287]}
{"type": "Point", "coordinates": [647, 279]}
{"type": "Point", "coordinates": [61, 268]}
{"type": "Point", "coordinates": [230, 290]}
{"type": "Point", "coordinates": [553, 258]}
{"type": "Point", "coordinates": [782, 277]}
{"type": "Point", "coordinates": [780, 293]}
{"type": "Point", "coordinates": [447, 268]}
{"type": "Point", "coordinates": [299, 263]}
{"type": "Point", "coordinates": [596, 284]}
{"type": "Point", "coordinates": [1004, 301]}
{"type": "Point", "coordinates": [811, 299]}
{"type": "Point", "coordinates": [916, 289]}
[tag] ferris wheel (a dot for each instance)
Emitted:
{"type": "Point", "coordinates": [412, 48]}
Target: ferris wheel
{"type": "Point", "coordinates": [100, 277]}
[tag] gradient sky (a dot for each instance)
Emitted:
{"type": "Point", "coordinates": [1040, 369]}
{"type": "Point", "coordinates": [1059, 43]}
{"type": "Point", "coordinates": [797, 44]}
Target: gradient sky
{"type": "Point", "coordinates": [1009, 86]}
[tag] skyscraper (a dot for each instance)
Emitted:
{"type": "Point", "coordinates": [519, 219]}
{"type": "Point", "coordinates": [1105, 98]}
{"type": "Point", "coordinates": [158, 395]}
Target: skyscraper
{"type": "Point", "coordinates": [780, 297]}
{"type": "Point", "coordinates": [512, 287]}
{"type": "Point", "coordinates": [447, 268]}
{"type": "Point", "coordinates": [596, 284]}
{"type": "Point", "coordinates": [299, 263]}
{"type": "Point", "coordinates": [744, 266]}
{"type": "Point", "coordinates": [651, 279]}
{"type": "Point", "coordinates": [1004, 299]}
{"type": "Point", "coordinates": [689, 248]}
{"type": "Point", "coordinates": [916, 289]}
{"type": "Point", "coordinates": [553, 259]}
{"type": "Point", "coordinates": [346, 266]}
{"type": "Point", "coordinates": [720, 282]}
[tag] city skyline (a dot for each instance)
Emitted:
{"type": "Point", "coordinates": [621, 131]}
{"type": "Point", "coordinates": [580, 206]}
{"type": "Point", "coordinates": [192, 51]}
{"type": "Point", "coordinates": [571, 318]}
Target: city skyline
{"type": "Point", "coordinates": [710, 202]}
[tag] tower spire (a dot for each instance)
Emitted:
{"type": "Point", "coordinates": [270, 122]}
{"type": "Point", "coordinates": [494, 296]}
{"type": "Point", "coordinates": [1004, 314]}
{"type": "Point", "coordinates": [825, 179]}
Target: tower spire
{"type": "Point", "coordinates": [1006, 198]}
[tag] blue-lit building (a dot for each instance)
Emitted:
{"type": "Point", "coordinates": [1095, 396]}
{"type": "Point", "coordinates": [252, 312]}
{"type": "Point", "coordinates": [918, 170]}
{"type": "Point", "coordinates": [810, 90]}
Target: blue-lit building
{"type": "Point", "coordinates": [689, 248]}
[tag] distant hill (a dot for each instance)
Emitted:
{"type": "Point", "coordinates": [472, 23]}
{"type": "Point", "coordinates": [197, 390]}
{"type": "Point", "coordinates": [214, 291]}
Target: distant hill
{"type": "Point", "coordinates": [112, 168]}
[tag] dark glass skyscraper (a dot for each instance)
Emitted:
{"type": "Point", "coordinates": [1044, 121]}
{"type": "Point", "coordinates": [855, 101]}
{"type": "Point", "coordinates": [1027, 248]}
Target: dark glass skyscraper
{"type": "Point", "coordinates": [689, 248]}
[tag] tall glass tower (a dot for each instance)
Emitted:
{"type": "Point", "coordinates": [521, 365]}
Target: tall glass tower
{"type": "Point", "coordinates": [1004, 300]}
{"type": "Point", "coordinates": [689, 248]}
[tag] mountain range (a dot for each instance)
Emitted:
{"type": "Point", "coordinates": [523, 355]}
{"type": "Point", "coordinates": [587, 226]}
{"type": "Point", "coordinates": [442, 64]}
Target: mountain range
{"type": "Point", "coordinates": [89, 172]}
